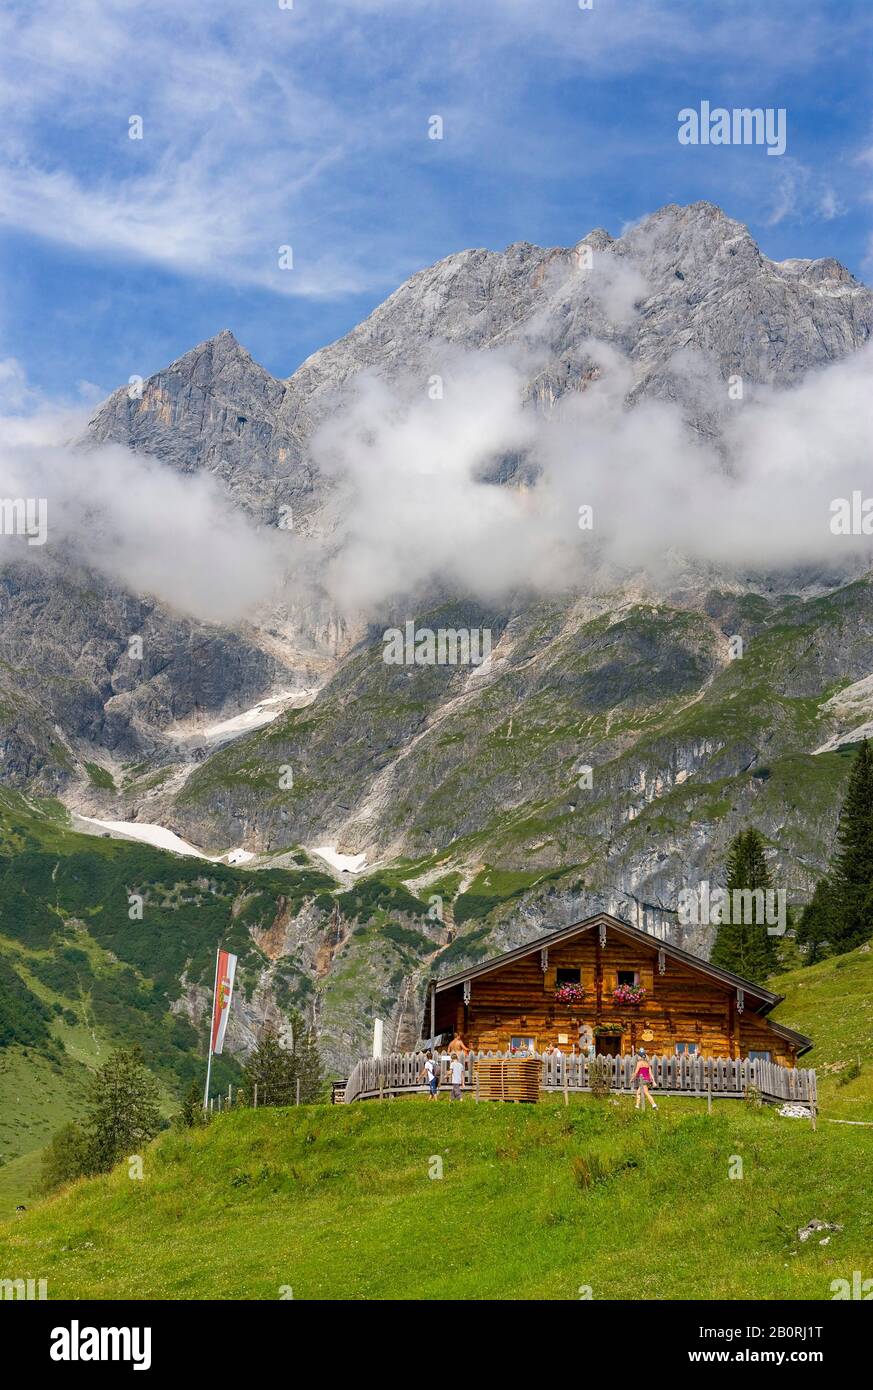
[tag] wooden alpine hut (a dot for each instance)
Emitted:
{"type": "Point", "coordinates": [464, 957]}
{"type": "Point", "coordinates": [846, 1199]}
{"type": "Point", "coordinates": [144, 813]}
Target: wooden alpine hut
{"type": "Point", "coordinates": [603, 986]}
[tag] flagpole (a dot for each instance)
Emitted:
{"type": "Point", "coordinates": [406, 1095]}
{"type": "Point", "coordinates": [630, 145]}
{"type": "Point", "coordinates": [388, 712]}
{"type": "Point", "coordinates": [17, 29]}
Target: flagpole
{"type": "Point", "coordinates": [211, 1028]}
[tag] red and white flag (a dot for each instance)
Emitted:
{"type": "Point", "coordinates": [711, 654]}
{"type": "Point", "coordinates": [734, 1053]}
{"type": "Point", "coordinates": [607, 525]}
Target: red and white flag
{"type": "Point", "coordinates": [225, 970]}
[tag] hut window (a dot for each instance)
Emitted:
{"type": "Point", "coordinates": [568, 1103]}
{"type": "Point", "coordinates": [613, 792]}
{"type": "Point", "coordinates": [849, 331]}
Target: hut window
{"type": "Point", "coordinates": [568, 976]}
{"type": "Point", "coordinates": [628, 977]}
{"type": "Point", "coordinates": [759, 1056]}
{"type": "Point", "coordinates": [689, 1048]}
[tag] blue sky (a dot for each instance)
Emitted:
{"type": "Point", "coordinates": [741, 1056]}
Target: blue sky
{"type": "Point", "coordinates": [308, 126]}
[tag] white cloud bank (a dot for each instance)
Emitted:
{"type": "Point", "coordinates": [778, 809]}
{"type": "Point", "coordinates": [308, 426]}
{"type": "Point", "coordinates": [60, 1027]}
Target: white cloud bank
{"type": "Point", "coordinates": [420, 512]}
{"type": "Point", "coordinates": [136, 521]}
{"type": "Point", "coordinates": [417, 506]}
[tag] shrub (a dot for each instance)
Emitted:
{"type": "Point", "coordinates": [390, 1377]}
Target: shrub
{"type": "Point", "coordinates": [849, 1073]}
{"type": "Point", "coordinates": [65, 1157]}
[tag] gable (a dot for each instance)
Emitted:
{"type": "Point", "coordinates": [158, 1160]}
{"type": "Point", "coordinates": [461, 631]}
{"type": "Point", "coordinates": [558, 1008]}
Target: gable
{"type": "Point", "coordinates": [641, 940]}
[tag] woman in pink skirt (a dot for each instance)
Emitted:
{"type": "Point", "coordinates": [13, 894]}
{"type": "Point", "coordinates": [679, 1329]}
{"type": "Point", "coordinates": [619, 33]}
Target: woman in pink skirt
{"type": "Point", "coordinates": [642, 1079]}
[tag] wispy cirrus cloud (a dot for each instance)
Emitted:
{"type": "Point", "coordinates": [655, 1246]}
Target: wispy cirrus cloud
{"type": "Point", "coordinates": [186, 217]}
{"type": "Point", "coordinates": [308, 127]}
{"type": "Point", "coordinates": [270, 127]}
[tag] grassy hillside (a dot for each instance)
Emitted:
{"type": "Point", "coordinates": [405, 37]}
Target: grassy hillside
{"type": "Point", "coordinates": [832, 1003]}
{"type": "Point", "coordinates": [79, 976]}
{"type": "Point", "coordinates": [534, 1202]}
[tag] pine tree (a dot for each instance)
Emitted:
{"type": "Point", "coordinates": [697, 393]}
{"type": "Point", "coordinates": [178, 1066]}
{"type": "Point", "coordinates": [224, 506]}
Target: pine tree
{"type": "Point", "coordinates": [272, 1068]}
{"type": "Point", "coordinates": [124, 1113]}
{"type": "Point", "coordinates": [816, 928]}
{"type": "Point", "coordinates": [746, 947]}
{"type": "Point", "coordinates": [852, 875]}
{"type": "Point", "coordinates": [192, 1113]}
{"type": "Point", "coordinates": [309, 1067]}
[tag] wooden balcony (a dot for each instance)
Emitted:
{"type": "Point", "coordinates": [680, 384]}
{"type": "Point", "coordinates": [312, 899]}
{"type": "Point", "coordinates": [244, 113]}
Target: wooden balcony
{"type": "Point", "coordinates": [398, 1073]}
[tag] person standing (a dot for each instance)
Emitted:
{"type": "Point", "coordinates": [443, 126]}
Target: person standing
{"type": "Point", "coordinates": [456, 1069]}
{"type": "Point", "coordinates": [642, 1079]}
{"type": "Point", "coordinates": [458, 1045]}
{"type": "Point", "coordinates": [430, 1076]}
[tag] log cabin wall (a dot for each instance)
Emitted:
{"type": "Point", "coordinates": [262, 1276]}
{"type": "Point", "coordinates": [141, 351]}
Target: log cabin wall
{"type": "Point", "coordinates": [681, 1006]}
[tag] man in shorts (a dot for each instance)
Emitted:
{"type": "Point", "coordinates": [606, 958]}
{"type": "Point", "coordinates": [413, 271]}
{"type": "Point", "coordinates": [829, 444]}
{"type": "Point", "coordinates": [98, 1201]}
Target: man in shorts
{"type": "Point", "coordinates": [456, 1070]}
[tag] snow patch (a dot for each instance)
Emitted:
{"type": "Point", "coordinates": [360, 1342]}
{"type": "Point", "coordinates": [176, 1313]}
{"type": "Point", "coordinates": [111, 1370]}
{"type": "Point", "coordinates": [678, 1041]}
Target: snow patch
{"type": "Point", "coordinates": [264, 712]}
{"type": "Point", "coordinates": [239, 856]}
{"type": "Point", "coordinates": [162, 838]}
{"type": "Point", "coordinates": [157, 835]}
{"type": "Point", "coordinates": [344, 863]}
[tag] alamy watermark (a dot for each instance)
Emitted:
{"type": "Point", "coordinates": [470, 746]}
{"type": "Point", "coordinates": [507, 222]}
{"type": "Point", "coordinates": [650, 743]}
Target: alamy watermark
{"type": "Point", "coordinates": [852, 516]}
{"type": "Point", "coordinates": [25, 516]}
{"type": "Point", "coordinates": [860, 1289]}
{"type": "Point", "coordinates": [78, 1343]}
{"type": "Point", "coordinates": [743, 125]}
{"type": "Point", "coordinates": [447, 646]}
{"type": "Point", "coordinates": [30, 1289]}
{"type": "Point", "coordinates": [740, 906]}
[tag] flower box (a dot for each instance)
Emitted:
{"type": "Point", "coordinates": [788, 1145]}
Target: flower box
{"type": "Point", "coordinates": [629, 995]}
{"type": "Point", "coordinates": [569, 994]}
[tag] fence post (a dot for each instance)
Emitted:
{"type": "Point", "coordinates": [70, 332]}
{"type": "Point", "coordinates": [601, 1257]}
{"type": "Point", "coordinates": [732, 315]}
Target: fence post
{"type": "Point", "coordinates": [256, 1095]}
{"type": "Point", "coordinates": [297, 1101]}
{"type": "Point", "coordinates": [709, 1095]}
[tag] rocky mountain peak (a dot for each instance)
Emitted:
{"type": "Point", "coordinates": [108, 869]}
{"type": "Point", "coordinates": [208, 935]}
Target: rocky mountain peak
{"type": "Point", "coordinates": [686, 277]}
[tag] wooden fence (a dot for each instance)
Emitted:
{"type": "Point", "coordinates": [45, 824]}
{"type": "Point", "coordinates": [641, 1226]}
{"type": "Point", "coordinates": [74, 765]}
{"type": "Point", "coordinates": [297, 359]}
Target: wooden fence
{"type": "Point", "coordinates": [684, 1075]}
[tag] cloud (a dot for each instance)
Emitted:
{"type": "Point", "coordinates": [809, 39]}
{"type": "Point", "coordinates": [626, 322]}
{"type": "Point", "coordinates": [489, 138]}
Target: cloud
{"type": "Point", "coordinates": [14, 390]}
{"type": "Point", "coordinates": [134, 520]}
{"type": "Point", "coordinates": [797, 192]}
{"type": "Point", "coordinates": [267, 127]}
{"type": "Point", "coordinates": [185, 217]}
{"type": "Point", "coordinates": [462, 483]}
{"type": "Point", "coordinates": [420, 511]}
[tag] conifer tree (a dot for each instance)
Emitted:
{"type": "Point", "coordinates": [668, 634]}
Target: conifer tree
{"type": "Point", "coordinates": [272, 1069]}
{"type": "Point", "coordinates": [840, 915]}
{"type": "Point", "coordinates": [746, 947]}
{"type": "Point", "coordinates": [816, 929]}
{"type": "Point", "coordinates": [124, 1113]}
{"type": "Point", "coordinates": [852, 876]}
{"type": "Point", "coordinates": [192, 1113]}
{"type": "Point", "coordinates": [309, 1067]}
